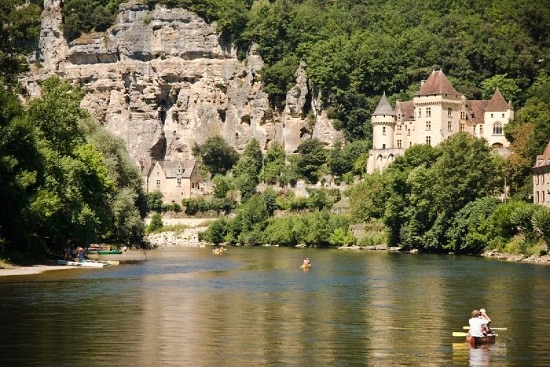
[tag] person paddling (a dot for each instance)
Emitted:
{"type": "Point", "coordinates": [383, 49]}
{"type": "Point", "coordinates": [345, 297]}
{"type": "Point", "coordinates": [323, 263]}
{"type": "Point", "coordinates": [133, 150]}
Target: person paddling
{"type": "Point", "coordinates": [479, 324]}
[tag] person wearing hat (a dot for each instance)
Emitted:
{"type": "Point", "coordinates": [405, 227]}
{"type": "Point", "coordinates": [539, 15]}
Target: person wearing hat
{"type": "Point", "coordinates": [479, 323]}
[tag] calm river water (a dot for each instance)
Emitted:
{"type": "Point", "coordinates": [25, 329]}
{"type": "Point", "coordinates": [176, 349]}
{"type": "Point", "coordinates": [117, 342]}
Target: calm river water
{"type": "Point", "coordinates": [256, 307]}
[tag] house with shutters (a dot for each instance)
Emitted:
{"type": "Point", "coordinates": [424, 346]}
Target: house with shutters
{"type": "Point", "coordinates": [541, 178]}
{"type": "Point", "coordinates": [436, 112]}
{"type": "Point", "coordinates": [176, 180]}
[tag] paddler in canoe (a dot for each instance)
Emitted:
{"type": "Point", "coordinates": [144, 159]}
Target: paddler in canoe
{"type": "Point", "coordinates": [480, 332]}
{"type": "Point", "coordinates": [306, 263]}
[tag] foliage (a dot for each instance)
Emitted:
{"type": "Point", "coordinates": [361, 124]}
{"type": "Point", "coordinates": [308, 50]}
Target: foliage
{"type": "Point", "coordinates": [344, 158]}
{"type": "Point", "coordinates": [20, 25]}
{"type": "Point", "coordinates": [69, 181]}
{"type": "Point", "coordinates": [528, 134]}
{"type": "Point", "coordinates": [200, 205]}
{"type": "Point", "coordinates": [156, 223]}
{"type": "Point", "coordinates": [274, 164]}
{"type": "Point", "coordinates": [154, 201]}
{"type": "Point", "coordinates": [368, 198]}
{"type": "Point", "coordinates": [216, 155]}
{"type": "Point", "coordinates": [248, 169]}
{"type": "Point", "coordinates": [469, 232]}
{"type": "Point", "coordinates": [85, 16]}
{"type": "Point", "coordinates": [311, 156]}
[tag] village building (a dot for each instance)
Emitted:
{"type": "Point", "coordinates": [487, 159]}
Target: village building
{"type": "Point", "coordinates": [541, 178]}
{"type": "Point", "coordinates": [176, 180]}
{"type": "Point", "coordinates": [436, 112]}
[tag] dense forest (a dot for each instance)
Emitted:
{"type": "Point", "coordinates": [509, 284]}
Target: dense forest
{"type": "Point", "coordinates": [67, 181]}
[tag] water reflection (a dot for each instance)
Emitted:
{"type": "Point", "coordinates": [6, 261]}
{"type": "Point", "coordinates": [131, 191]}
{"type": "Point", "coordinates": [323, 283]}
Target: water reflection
{"type": "Point", "coordinates": [255, 306]}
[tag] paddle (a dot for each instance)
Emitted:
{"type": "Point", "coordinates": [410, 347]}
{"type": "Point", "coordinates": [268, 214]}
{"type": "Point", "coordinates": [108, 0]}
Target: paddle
{"type": "Point", "coordinates": [492, 328]}
{"type": "Point", "coordinates": [459, 333]}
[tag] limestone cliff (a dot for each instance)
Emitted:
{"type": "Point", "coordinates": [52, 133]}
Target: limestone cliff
{"type": "Point", "coordinates": [161, 80]}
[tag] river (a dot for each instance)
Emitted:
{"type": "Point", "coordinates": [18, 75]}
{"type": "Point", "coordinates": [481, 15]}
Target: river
{"type": "Point", "coordinates": [256, 307]}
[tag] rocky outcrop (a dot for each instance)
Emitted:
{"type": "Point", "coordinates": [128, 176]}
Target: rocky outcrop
{"type": "Point", "coordinates": [161, 80]}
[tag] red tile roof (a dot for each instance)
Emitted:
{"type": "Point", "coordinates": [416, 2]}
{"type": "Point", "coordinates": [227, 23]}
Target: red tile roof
{"type": "Point", "coordinates": [437, 84]}
{"type": "Point", "coordinates": [497, 103]}
{"type": "Point", "coordinates": [476, 111]}
{"type": "Point", "coordinates": [544, 158]}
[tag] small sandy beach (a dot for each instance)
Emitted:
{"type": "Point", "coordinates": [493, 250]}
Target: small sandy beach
{"type": "Point", "coordinates": [30, 270]}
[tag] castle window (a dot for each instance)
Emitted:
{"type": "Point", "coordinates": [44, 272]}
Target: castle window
{"type": "Point", "coordinates": [398, 127]}
{"type": "Point", "coordinates": [399, 144]}
{"type": "Point", "coordinates": [502, 115]}
{"type": "Point", "coordinates": [428, 125]}
{"type": "Point", "coordinates": [419, 112]}
{"type": "Point", "coordinates": [158, 183]}
{"type": "Point", "coordinates": [449, 126]}
{"type": "Point", "coordinates": [383, 146]}
{"type": "Point", "coordinates": [409, 132]}
{"type": "Point", "coordinates": [491, 115]}
{"type": "Point", "coordinates": [383, 130]}
{"type": "Point", "coordinates": [463, 115]}
{"type": "Point", "coordinates": [428, 140]}
{"type": "Point", "coordinates": [497, 128]}
{"type": "Point", "coordinates": [461, 126]}
{"type": "Point", "coordinates": [178, 180]}
{"type": "Point", "coordinates": [481, 130]}
{"type": "Point", "coordinates": [449, 112]}
{"type": "Point", "coordinates": [428, 112]}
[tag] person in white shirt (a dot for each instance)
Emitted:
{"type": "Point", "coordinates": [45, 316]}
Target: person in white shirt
{"type": "Point", "coordinates": [479, 324]}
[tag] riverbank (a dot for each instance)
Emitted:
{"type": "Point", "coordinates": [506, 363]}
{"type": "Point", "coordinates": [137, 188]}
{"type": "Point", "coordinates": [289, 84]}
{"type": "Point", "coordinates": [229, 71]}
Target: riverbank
{"type": "Point", "coordinates": [13, 270]}
{"type": "Point", "coordinates": [189, 238]}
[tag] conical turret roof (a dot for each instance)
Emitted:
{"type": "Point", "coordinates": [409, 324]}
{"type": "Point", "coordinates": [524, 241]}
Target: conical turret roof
{"type": "Point", "coordinates": [497, 103]}
{"type": "Point", "coordinates": [383, 108]}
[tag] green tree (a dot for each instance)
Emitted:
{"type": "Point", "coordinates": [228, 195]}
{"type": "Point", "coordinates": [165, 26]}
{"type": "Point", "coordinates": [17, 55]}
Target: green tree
{"type": "Point", "coordinates": [311, 156]}
{"type": "Point", "coordinates": [216, 155]}
{"type": "Point", "coordinates": [274, 165]}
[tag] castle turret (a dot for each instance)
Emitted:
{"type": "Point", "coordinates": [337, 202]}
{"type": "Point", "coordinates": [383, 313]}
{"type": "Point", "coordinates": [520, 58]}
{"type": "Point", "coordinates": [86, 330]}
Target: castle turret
{"type": "Point", "coordinates": [498, 113]}
{"type": "Point", "coordinates": [383, 125]}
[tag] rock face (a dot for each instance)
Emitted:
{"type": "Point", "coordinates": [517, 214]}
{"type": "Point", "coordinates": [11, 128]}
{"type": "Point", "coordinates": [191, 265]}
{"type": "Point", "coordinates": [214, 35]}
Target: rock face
{"type": "Point", "coordinates": [161, 80]}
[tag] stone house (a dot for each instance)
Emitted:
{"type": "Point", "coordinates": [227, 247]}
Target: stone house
{"type": "Point", "coordinates": [176, 180]}
{"type": "Point", "coordinates": [436, 112]}
{"type": "Point", "coordinates": [541, 178]}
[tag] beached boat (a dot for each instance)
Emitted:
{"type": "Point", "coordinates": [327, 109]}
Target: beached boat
{"type": "Point", "coordinates": [109, 252]}
{"type": "Point", "coordinates": [85, 264]}
{"type": "Point", "coordinates": [475, 341]}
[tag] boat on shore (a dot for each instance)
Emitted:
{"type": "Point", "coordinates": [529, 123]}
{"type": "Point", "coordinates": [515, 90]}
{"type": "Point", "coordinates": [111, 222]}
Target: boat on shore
{"type": "Point", "coordinates": [126, 257]}
{"type": "Point", "coordinates": [109, 252]}
{"type": "Point", "coordinates": [83, 264]}
{"type": "Point", "coordinates": [475, 341]}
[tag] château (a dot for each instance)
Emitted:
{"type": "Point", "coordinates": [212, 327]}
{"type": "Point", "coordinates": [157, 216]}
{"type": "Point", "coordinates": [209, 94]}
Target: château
{"type": "Point", "coordinates": [436, 112]}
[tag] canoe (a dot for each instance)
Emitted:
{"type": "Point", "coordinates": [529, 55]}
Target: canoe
{"type": "Point", "coordinates": [85, 264]}
{"type": "Point", "coordinates": [475, 341]}
{"type": "Point", "coordinates": [109, 252]}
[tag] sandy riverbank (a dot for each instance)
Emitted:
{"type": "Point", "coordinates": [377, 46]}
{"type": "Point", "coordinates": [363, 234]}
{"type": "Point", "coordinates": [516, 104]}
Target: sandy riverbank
{"type": "Point", "coordinates": [30, 270]}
